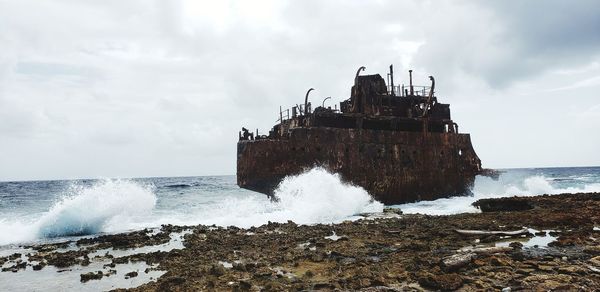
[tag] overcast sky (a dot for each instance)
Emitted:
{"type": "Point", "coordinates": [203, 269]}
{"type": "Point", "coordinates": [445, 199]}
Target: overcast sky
{"type": "Point", "coordinates": [161, 88]}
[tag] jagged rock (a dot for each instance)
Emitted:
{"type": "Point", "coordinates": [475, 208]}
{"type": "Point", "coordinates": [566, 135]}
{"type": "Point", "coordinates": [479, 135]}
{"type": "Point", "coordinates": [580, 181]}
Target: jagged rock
{"type": "Point", "coordinates": [91, 276]}
{"type": "Point", "coordinates": [504, 204]}
{"type": "Point", "coordinates": [443, 282]}
{"type": "Point", "coordinates": [217, 270]}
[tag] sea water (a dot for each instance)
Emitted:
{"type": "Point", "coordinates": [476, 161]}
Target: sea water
{"type": "Point", "coordinates": [42, 211]}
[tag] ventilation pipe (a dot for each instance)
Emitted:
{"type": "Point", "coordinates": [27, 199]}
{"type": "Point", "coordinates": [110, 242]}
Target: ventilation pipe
{"type": "Point", "coordinates": [362, 68]}
{"type": "Point", "coordinates": [430, 97]}
{"type": "Point", "coordinates": [306, 112]}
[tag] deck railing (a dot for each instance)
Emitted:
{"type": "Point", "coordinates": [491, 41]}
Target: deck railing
{"type": "Point", "coordinates": [401, 90]}
{"type": "Point", "coordinates": [292, 112]}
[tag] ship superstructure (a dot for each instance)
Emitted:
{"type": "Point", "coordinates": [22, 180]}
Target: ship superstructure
{"type": "Point", "coordinates": [397, 142]}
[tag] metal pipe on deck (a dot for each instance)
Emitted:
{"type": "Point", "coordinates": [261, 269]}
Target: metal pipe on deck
{"type": "Point", "coordinates": [362, 68]}
{"type": "Point", "coordinates": [429, 97]}
{"type": "Point", "coordinates": [412, 89]}
{"type": "Point", "coordinates": [306, 112]}
{"type": "Point", "coordinates": [280, 115]}
{"type": "Point", "coordinates": [323, 105]}
{"type": "Point", "coordinates": [392, 78]}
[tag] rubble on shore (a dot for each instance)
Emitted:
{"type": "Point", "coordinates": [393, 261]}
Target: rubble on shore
{"type": "Point", "coordinates": [541, 243]}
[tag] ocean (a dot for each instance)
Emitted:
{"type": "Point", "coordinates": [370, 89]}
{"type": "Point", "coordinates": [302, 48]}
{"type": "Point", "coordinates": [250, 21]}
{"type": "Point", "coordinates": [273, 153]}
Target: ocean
{"type": "Point", "coordinates": [43, 211]}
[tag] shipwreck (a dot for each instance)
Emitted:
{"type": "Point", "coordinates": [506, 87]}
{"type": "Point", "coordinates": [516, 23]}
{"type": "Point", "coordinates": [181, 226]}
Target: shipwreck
{"type": "Point", "coordinates": [396, 141]}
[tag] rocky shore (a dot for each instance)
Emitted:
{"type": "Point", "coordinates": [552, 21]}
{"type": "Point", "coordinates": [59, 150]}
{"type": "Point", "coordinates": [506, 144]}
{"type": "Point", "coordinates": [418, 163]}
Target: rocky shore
{"type": "Point", "coordinates": [532, 243]}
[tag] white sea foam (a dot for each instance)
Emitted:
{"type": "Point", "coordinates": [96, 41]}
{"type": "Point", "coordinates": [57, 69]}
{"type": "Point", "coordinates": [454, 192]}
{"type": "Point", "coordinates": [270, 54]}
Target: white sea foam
{"type": "Point", "coordinates": [315, 196]}
{"type": "Point", "coordinates": [508, 185]}
{"type": "Point", "coordinates": [319, 196]}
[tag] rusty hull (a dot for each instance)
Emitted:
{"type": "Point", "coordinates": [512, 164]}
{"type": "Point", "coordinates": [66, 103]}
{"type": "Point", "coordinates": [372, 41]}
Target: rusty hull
{"type": "Point", "coordinates": [394, 167]}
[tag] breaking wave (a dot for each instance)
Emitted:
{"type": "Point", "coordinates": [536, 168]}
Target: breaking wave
{"type": "Point", "coordinates": [315, 196]}
{"type": "Point", "coordinates": [319, 196]}
{"type": "Point", "coordinates": [508, 185]}
{"type": "Point", "coordinates": [84, 210]}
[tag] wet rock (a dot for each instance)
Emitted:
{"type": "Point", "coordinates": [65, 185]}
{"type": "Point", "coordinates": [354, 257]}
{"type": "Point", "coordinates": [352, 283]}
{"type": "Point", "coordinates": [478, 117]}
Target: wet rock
{"type": "Point", "coordinates": [318, 257]}
{"type": "Point", "coordinates": [38, 267]}
{"type": "Point", "coordinates": [91, 276]}
{"type": "Point", "coordinates": [16, 267]}
{"type": "Point", "coordinates": [571, 270]}
{"type": "Point", "coordinates": [458, 261]}
{"type": "Point", "coordinates": [546, 282]}
{"type": "Point", "coordinates": [516, 245]}
{"type": "Point", "coordinates": [288, 257]}
{"type": "Point", "coordinates": [545, 268]}
{"type": "Point", "coordinates": [364, 282]}
{"type": "Point", "coordinates": [169, 284]}
{"type": "Point", "coordinates": [498, 261]}
{"type": "Point", "coordinates": [490, 238]}
{"type": "Point", "coordinates": [504, 204]}
{"type": "Point", "coordinates": [110, 265]}
{"type": "Point", "coordinates": [239, 267]}
{"type": "Point", "coordinates": [392, 210]}
{"type": "Point", "coordinates": [131, 275]}
{"type": "Point", "coordinates": [274, 286]}
{"type": "Point", "coordinates": [217, 270]}
{"type": "Point", "coordinates": [65, 259]}
{"type": "Point", "coordinates": [441, 282]}
{"type": "Point", "coordinates": [14, 256]}
{"type": "Point", "coordinates": [592, 249]}
{"type": "Point", "coordinates": [242, 286]}
{"type": "Point", "coordinates": [120, 260]}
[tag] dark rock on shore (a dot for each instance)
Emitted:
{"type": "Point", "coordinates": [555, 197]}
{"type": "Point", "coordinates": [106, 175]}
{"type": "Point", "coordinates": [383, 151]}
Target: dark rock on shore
{"type": "Point", "coordinates": [503, 204]}
{"type": "Point", "coordinates": [131, 275]}
{"type": "Point", "coordinates": [91, 276]}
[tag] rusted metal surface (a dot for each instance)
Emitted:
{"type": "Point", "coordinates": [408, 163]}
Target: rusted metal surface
{"type": "Point", "coordinates": [399, 148]}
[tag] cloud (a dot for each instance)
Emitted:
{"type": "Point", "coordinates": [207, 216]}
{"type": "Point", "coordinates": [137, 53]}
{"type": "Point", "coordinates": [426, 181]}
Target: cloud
{"type": "Point", "coordinates": [506, 41]}
{"type": "Point", "coordinates": [142, 88]}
